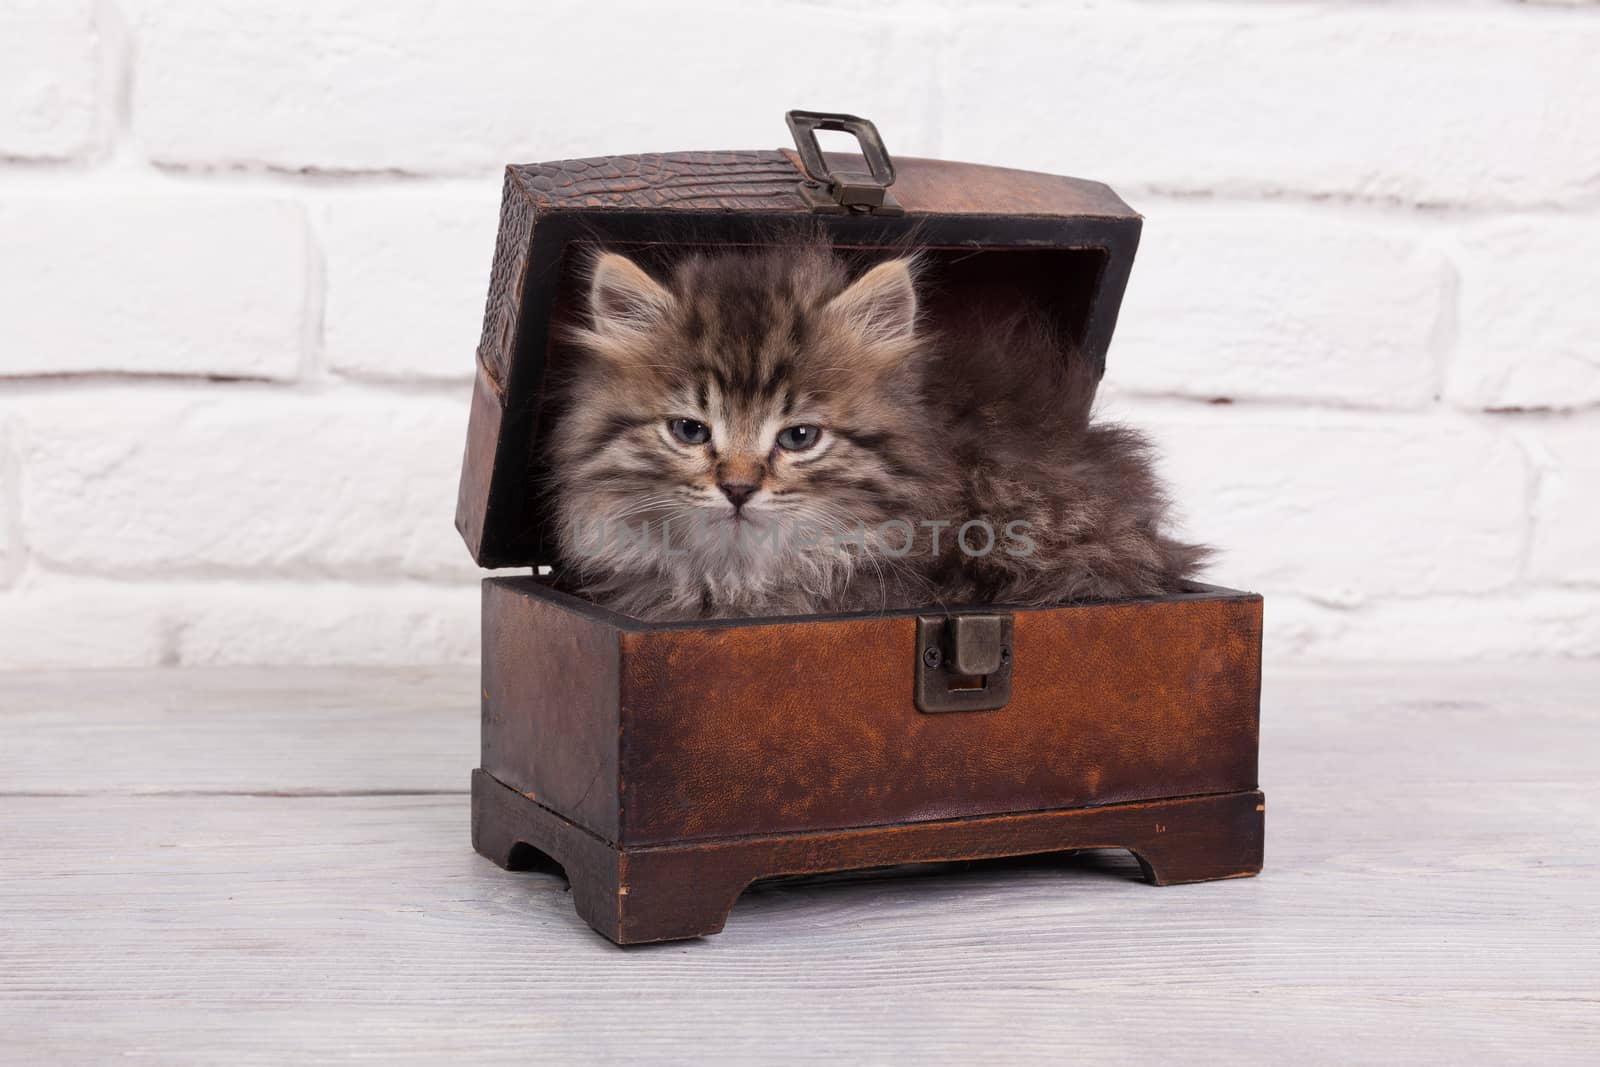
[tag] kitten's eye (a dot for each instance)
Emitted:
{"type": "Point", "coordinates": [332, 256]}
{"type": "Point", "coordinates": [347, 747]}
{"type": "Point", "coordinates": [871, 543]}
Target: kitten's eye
{"type": "Point", "coordinates": [689, 431]}
{"type": "Point", "coordinates": [799, 438]}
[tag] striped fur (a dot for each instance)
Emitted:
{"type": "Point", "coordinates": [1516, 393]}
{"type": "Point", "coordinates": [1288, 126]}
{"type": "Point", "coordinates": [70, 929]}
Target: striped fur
{"type": "Point", "coordinates": [916, 430]}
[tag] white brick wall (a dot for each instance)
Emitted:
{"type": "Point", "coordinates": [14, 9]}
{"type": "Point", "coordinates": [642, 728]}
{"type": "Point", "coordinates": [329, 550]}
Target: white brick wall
{"type": "Point", "coordinates": [1348, 510]}
{"type": "Point", "coordinates": [243, 252]}
{"type": "Point", "coordinates": [243, 482]}
{"type": "Point", "coordinates": [52, 66]}
{"type": "Point", "coordinates": [1530, 312]}
{"type": "Point", "coordinates": [1265, 303]}
{"type": "Point", "coordinates": [1419, 102]}
{"type": "Point", "coordinates": [406, 278]}
{"type": "Point", "coordinates": [183, 282]}
{"type": "Point", "coordinates": [432, 88]}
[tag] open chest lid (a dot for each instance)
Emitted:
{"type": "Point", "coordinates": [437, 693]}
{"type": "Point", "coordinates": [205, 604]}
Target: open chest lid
{"type": "Point", "coordinates": [990, 237]}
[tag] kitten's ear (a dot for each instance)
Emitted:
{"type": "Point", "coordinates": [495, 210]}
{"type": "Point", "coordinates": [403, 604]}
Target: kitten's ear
{"type": "Point", "coordinates": [624, 300]}
{"type": "Point", "coordinates": [881, 305]}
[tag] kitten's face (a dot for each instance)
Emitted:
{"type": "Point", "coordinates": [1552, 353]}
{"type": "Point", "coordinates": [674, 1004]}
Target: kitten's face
{"type": "Point", "coordinates": [752, 391]}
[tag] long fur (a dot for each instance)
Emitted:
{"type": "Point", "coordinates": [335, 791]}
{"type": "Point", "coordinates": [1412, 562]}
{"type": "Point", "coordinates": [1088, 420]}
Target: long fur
{"type": "Point", "coordinates": [990, 424]}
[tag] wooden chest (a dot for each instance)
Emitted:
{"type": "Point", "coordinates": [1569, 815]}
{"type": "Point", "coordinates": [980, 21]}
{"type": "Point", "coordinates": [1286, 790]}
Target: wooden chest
{"type": "Point", "coordinates": [665, 766]}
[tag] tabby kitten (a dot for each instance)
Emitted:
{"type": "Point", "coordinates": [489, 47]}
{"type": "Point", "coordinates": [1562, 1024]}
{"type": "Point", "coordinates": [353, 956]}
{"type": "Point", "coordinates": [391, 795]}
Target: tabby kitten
{"type": "Point", "coordinates": [759, 435]}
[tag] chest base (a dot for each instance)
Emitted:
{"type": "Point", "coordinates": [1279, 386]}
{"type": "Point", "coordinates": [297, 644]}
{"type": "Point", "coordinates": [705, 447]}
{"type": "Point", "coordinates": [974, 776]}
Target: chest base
{"type": "Point", "coordinates": [633, 895]}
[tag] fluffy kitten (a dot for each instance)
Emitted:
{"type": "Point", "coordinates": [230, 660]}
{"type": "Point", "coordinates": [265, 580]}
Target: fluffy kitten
{"type": "Point", "coordinates": [762, 436]}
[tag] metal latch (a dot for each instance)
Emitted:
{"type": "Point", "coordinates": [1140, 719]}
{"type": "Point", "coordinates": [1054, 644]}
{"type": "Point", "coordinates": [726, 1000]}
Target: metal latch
{"type": "Point", "coordinates": [834, 194]}
{"type": "Point", "coordinates": [963, 662]}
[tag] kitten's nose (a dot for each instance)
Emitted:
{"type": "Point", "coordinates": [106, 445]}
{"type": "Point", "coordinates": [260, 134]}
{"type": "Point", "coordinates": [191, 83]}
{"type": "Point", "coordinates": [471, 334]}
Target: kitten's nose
{"type": "Point", "coordinates": [738, 492]}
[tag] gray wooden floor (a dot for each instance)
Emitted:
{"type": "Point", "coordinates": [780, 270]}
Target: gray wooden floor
{"type": "Point", "coordinates": [254, 867]}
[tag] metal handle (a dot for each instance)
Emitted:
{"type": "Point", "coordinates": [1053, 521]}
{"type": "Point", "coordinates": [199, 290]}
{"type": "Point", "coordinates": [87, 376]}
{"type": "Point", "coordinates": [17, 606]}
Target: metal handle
{"type": "Point", "coordinates": [846, 190]}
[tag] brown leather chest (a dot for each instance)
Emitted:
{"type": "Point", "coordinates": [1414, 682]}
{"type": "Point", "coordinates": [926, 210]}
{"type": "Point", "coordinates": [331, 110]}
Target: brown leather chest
{"type": "Point", "coordinates": [665, 766]}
